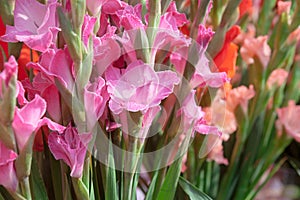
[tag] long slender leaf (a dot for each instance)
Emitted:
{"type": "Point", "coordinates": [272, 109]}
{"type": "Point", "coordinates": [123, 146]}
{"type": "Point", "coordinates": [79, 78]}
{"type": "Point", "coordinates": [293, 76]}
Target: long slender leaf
{"type": "Point", "coordinates": [111, 182]}
{"type": "Point", "coordinates": [168, 189]}
{"type": "Point", "coordinates": [193, 192]}
{"type": "Point", "coordinates": [37, 184]}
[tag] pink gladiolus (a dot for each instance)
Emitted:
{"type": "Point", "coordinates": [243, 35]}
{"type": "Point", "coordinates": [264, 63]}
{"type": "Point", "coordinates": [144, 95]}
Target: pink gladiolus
{"type": "Point", "coordinates": [204, 77]}
{"type": "Point", "coordinates": [95, 98]}
{"type": "Point", "coordinates": [27, 120]}
{"type": "Point", "coordinates": [193, 117]}
{"type": "Point", "coordinates": [204, 36]}
{"type": "Point", "coordinates": [288, 117]}
{"type": "Point", "coordinates": [43, 86]}
{"type": "Point", "coordinates": [103, 6]}
{"type": "Point", "coordinates": [57, 64]}
{"type": "Point", "coordinates": [88, 28]}
{"type": "Point", "coordinates": [277, 78]}
{"type": "Point", "coordinates": [256, 47]}
{"type": "Point", "coordinates": [106, 50]}
{"type": "Point", "coordinates": [34, 24]}
{"type": "Point", "coordinates": [71, 147]}
{"type": "Point", "coordinates": [10, 69]}
{"type": "Point", "coordinates": [138, 87]}
{"type": "Point", "coordinates": [8, 177]}
{"type": "Point", "coordinates": [130, 17]}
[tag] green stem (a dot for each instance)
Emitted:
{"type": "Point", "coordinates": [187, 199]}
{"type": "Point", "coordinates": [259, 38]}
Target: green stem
{"type": "Point", "coordinates": [25, 187]}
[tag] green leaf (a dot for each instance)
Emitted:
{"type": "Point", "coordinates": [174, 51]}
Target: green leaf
{"type": "Point", "coordinates": [193, 192]}
{"type": "Point", "coordinates": [80, 189]}
{"type": "Point", "coordinates": [36, 182]}
{"type": "Point", "coordinates": [168, 189]}
{"type": "Point", "coordinates": [149, 195]}
{"type": "Point", "coordinates": [111, 183]}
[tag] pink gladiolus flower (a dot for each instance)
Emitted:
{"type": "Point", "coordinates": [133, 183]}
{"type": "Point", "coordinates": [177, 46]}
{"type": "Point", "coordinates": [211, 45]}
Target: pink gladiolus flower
{"type": "Point", "coordinates": [43, 86]}
{"type": "Point", "coordinates": [204, 36]}
{"type": "Point", "coordinates": [193, 117]}
{"type": "Point", "coordinates": [88, 28]}
{"type": "Point", "coordinates": [10, 69]}
{"type": "Point", "coordinates": [204, 77]}
{"type": "Point", "coordinates": [288, 117]}
{"type": "Point", "coordinates": [8, 177]}
{"type": "Point", "coordinates": [71, 147]}
{"type": "Point", "coordinates": [27, 121]}
{"type": "Point", "coordinates": [138, 87]}
{"type": "Point", "coordinates": [95, 98]}
{"type": "Point", "coordinates": [277, 78]}
{"type": "Point", "coordinates": [57, 64]}
{"type": "Point", "coordinates": [103, 6]}
{"type": "Point", "coordinates": [106, 50]}
{"type": "Point", "coordinates": [35, 24]}
{"type": "Point", "coordinates": [130, 17]}
{"type": "Point", "coordinates": [256, 47]}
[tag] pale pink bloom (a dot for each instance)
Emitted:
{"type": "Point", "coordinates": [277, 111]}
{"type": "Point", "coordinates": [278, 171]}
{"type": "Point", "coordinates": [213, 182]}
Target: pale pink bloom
{"type": "Point", "coordinates": [44, 86]}
{"type": "Point", "coordinates": [28, 120]}
{"type": "Point", "coordinates": [71, 147]}
{"type": "Point", "coordinates": [277, 78]}
{"type": "Point", "coordinates": [256, 47]}
{"type": "Point", "coordinates": [8, 177]}
{"type": "Point", "coordinates": [193, 117]}
{"type": "Point", "coordinates": [204, 77]}
{"type": "Point", "coordinates": [106, 50]}
{"type": "Point", "coordinates": [294, 36]}
{"type": "Point", "coordinates": [95, 98]}
{"type": "Point", "coordinates": [34, 24]}
{"type": "Point", "coordinates": [103, 6]}
{"type": "Point", "coordinates": [138, 87]}
{"type": "Point", "coordinates": [283, 7]}
{"type": "Point", "coordinates": [171, 19]}
{"type": "Point", "coordinates": [57, 64]}
{"type": "Point", "coordinates": [204, 36]}
{"type": "Point", "coordinates": [216, 154]}
{"type": "Point", "coordinates": [87, 28]}
{"type": "Point", "coordinates": [10, 70]}
{"type": "Point", "coordinates": [288, 117]}
{"type": "Point", "coordinates": [130, 17]}
{"type": "Point", "coordinates": [240, 96]}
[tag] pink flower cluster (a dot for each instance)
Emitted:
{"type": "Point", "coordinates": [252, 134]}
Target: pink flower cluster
{"type": "Point", "coordinates": [120, 81]}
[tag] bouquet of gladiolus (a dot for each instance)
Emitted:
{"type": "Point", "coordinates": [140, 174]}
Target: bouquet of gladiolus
{"type": "Point", "coordinates": [158, 99]}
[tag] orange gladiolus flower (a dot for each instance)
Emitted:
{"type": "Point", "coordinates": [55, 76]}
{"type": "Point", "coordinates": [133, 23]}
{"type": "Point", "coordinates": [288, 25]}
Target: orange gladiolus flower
{"type": "Point", "coordinates": [245, 7]}
{"type": "Point", "coordinates": [226, 58]}
{"type": "Point", "coordinates": [24, 59]}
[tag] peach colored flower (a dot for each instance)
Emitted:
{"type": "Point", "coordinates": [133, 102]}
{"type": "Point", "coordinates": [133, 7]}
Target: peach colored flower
{"type": "Point", "coordinates": [288, 117]}
{"type": "Point", "coordinates": [216, 154]}
{"type": "Point", "coordinates": [294, 36]}
{"type": "Point", "coordinates": [240, 96]}
{"type": "Point", "coordinates": [283, 7]}
{"type": "Point", "coordinates": [256, 47]}
{"type": "Point", "coordinates": [277, 78]}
